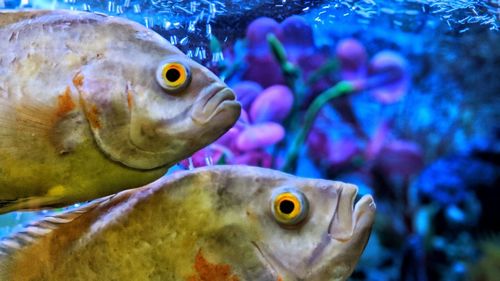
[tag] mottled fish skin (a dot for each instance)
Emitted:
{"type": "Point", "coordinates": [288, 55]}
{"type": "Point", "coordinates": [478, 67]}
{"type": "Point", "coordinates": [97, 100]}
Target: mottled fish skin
{"type": "Point", "coordinates": [82, 114]}
{"type": "Point", "coordinates": [212, 223]}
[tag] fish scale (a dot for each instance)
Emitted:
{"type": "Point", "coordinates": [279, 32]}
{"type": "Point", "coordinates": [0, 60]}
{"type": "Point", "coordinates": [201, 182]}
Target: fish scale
{"type": "Point", "coordinates": [83, 112]}
{"type": "Point", "coordinates": [213, 223]}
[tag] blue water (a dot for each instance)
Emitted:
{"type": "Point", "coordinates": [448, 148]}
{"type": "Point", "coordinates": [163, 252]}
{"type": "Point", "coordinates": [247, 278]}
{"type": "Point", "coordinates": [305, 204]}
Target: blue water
{"type": "Point", "coordinates": [439, 221]}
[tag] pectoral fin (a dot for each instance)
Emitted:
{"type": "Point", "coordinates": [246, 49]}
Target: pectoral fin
{"type": "Point", "coordinates": [23, 121]}
{"type": "Point", "coordinates": [29, 203]}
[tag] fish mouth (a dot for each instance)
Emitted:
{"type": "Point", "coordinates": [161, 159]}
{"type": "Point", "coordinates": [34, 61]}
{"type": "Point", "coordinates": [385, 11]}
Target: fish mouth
{"type": "Point", "coordinates": [347, 230]}
{"type": "Point", "coordinates": [218, 97]}
{"type": "Point", "coordinates": [346, 215]}
{"type": "Point", "coordinates": [341, 223]}
{"type": "Point", "coordinates": [219, 101]}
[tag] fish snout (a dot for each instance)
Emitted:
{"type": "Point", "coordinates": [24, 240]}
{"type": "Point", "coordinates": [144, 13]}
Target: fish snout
{"type": "Point", "coordinates": [364, 216]}
{"type": "Point", "coordinates": [349, 232]}
{"type": "Point", "coordinates": [349, 218]}
{"type": "Point", "coordinates": [219, 100]}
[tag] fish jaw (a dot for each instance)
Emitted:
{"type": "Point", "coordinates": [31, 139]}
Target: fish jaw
{"type": "Point", "coordinates": [210, 116]}
{"type": "Point", "coordinates": [205, 110]}
{"type": "Point", "coordinates": [134, 122]}
{"type": "Point", "coordinates": [338, 258]}
{"type": "Point", "coordinates": [340, 245]}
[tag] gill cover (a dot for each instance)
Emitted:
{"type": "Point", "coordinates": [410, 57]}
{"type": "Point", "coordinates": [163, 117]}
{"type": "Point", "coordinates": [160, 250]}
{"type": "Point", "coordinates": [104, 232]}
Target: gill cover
{"type": "Point", "coordinates": [106, 110]}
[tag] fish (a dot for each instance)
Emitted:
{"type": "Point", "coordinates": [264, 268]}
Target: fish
{"type": "Point", "coordinates": [215, 223]}
{"type": "Point", "coordinates": [91, 105]}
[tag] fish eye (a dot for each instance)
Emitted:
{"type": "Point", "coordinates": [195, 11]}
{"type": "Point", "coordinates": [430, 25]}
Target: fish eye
{"type": "Point", "coordinates": [173, 76]}
{"type": "Point", "coordinates": [289, 206]}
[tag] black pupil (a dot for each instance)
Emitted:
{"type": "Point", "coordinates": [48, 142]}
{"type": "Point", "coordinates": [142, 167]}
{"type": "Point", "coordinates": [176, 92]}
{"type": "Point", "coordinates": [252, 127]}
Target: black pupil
{"type": "Point", "coordinates": [286, 206]}
{"type": "Point", "coordinates": [173, 75]}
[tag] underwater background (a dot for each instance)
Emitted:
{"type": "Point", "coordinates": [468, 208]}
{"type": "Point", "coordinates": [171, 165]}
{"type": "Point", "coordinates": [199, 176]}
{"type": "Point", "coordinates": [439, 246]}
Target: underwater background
{"type": "Point", "coordinates": [401, 98]}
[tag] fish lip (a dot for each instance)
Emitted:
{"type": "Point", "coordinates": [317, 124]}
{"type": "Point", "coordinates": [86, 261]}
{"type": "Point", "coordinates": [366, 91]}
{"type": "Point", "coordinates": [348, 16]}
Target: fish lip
{"type": "Point", "coordinates": [341, 223]}
{"type": "Point", "coordinates": [360, 218]}
{"type": "Point", "coordinates": [341, 215]}
{"type": "Point", "coordinates": [358, 209]}
{"type": "Point", "coordinates": [220, 94]}
{"type": "Point", "coordinates": [358, 221]}
{"type": "Point", "coordinates": [220, 100]}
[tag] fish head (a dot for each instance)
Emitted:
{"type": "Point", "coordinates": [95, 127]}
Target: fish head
{"type": "Point", "coordinates": [177, 121]}
{"type": "Point", "coordinates": [150, 105]}
{"type": "Point", "coordinates": [309, 229]}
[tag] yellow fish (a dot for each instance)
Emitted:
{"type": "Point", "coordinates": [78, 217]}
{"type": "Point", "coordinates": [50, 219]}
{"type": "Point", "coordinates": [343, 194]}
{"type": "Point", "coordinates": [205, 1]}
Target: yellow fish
{"type": "Point", "coordinates": [218, 223]}
{"type": "Point", "coordinates": [91, 105]}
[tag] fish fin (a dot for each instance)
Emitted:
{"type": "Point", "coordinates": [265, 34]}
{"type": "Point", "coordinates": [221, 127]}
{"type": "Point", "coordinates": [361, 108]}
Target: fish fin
{"type": "Point", "coordinates": [46, 225]}
{"type": "Point", "coordinates": [8, 17]}
{"type": "Point", "coordinates": [9, 205]}
{"type": "Point", "coordinates": [29, 204]}
{"type": "Point", "coordinates": [7, 202]}
{"type": "Point", "coordinates": [59, 231]}
{"type": "Point", "coordinates": [100, 14]}
{"type": "Point", "coordinates": [33, 231]}
{"type": "Point", "coordinates": [24, 121]}
{"type": "Point", "coordinates": [12, 16]}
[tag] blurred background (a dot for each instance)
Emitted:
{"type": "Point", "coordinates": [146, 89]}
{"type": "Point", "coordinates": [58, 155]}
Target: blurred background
{"type": "Point", "coordinates": [401, 98]}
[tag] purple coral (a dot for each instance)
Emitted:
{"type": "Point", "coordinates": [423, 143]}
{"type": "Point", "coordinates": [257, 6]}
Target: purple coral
{"type": "Point", "coordinates": [393, 157]}
{"type": "Point", "coordinates": [331, 153]}
{"type": "Point", "coordinates": [246, 142]}
{"type": "Point", "coordinates": [261, 65]}
{"type": "Point", "coordinates": [353, 59]}
{"type": "Point", "coordinates": [388, 77]}
{"type": "Point", "coordinates": [264, 70]}
{"type": "Point", "coordinates": [254, 158]}
{"type": "Point", "coordinates": [297, 37]}
{"type": "Point", "coordinates": [260, 135]}
{"type": "Point", "coordinates": [273, 104]}
{"type": "Point", "coordinates": [257, 33]}
{"type": "Point", "coordinates": [400, 158]}
{"type": "Point", "coordinates": [246, 92]}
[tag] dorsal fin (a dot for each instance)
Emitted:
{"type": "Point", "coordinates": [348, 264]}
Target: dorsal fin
{"type": "Point", "coordinates": [8, 17]}
{"type": "Point", "coordinates": [31, 232]}
{"type": "Point", "coordinates": [12, 16]}
{"type": "Point", "coordinates": [41, 228]}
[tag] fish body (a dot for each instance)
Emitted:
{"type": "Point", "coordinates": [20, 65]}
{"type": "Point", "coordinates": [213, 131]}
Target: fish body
{"type": "Point", "coordinates": [91, 105]}
{"type": "Point", "coordinates": [218, 223]}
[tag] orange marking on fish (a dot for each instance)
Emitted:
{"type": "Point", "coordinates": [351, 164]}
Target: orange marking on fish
{"type": "Point", "coordinates": [78, 80]}
{"type": "Point", "coordinates": [279, 278]}
{"type": "Point", "coordinates": [64, 103]}
{"type": "Point", "coordinates": [211, 272]}
{"type": "Point", "coordinates": [93, 116]}
{"type": "Point", "coordinates": [129, 100]}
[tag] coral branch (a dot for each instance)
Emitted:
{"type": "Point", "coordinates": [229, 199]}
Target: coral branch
{"type": "Point", "coordinates": [340, 89]}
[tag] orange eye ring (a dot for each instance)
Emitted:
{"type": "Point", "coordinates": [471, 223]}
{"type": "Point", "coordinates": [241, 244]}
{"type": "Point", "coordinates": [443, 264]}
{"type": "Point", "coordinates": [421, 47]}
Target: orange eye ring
{"type": "Point", "coordinates": [289, 206]}
{"type": "Point", "coordinates": [173, 76]}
